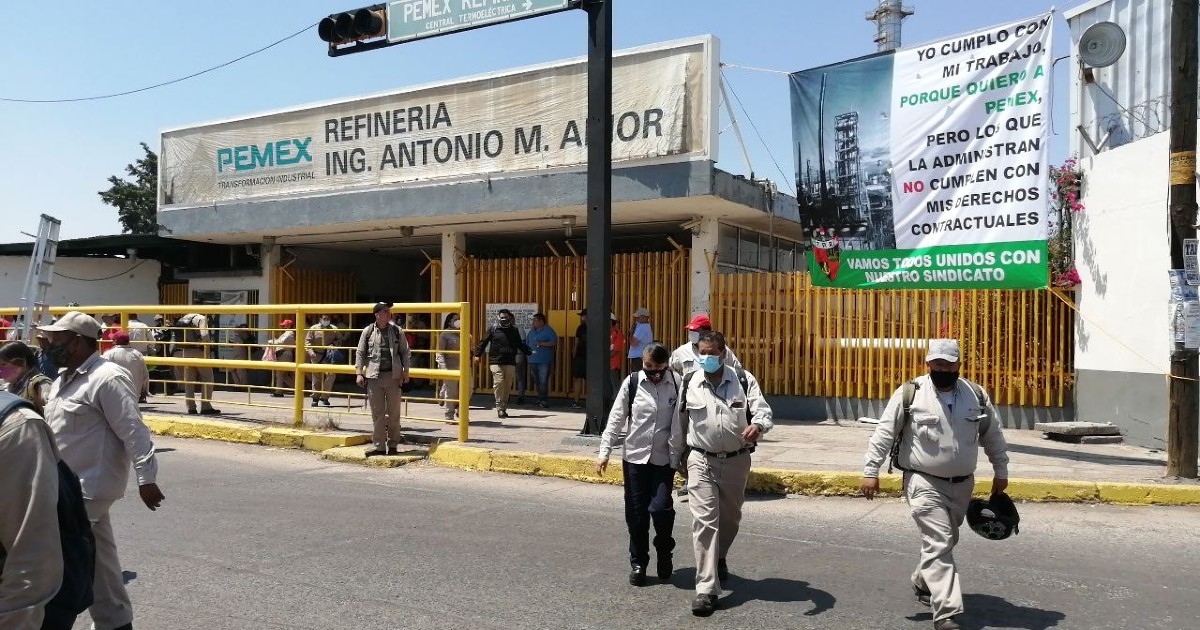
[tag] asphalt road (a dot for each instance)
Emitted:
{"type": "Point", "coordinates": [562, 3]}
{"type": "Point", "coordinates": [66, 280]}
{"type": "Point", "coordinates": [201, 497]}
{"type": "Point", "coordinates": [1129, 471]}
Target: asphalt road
{"type": "Point", "coordinates": [260, 538]}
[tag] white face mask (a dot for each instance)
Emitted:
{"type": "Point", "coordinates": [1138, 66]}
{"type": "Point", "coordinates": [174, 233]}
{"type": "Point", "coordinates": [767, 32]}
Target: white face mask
{"type": "Point", "coordinates": [693, 337]}
{"type": "Point", "coordinates": [456, 324]}
{"type": "Point", "coordinates": [324, 321]}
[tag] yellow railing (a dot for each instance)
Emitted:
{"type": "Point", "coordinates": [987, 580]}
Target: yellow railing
{"type": "Point", "coordinates": [222, 337]}
{"type": "Point", "coordinates": [803, 340]}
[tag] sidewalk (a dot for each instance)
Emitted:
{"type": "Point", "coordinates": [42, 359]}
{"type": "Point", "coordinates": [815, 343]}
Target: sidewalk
{"type": "Point", "coordinates": [1062, 471]}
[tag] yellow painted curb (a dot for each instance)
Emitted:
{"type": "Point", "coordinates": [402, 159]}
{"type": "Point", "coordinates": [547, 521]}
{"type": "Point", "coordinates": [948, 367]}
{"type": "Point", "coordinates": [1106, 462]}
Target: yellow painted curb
{"type": "Point", "coordinates": [224, 430]}
{"type": "Point", "coordinates": [358, 455]}
{"type": "Point", "coordinates": [325, 441]}
{"type": "Point", "coordinates": [814, 483]}
{"type": "Point", "coordinates": [284, 437]}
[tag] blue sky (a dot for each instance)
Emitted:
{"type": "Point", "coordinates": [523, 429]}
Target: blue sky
{"type": "Point", "coordinates": [58, 156]}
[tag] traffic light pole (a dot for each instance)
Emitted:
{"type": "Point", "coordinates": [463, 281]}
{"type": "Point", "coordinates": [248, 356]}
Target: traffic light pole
{"type": "Point", "coordinates": [599, 212]}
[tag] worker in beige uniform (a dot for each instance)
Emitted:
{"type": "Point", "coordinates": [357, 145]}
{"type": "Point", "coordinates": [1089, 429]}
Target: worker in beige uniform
{"type": "Point", "coordinates": [31, 560]}
{"type": "Point", "coordinates": [722, 413]}
{"type": "Point", "coordinates": [948, 419]}
{"type": "Point", "coordinates": [94, 414]}
{"type": "Point", "coordinates": [382, 364]}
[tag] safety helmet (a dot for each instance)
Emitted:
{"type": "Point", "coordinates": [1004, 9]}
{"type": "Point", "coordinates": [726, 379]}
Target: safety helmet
{"type": "Point", "coordinates": [994, 519]}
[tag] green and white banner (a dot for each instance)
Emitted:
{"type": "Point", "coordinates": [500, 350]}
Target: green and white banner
{"type": "Point", "coordinates": [927, 168]}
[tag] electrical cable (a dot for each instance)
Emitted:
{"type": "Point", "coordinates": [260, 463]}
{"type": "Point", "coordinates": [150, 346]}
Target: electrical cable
{"type": "Point", "coordinates": [61, 275]}
{"type": "Point", "coordinates": [156, 85]}
{"type": "Point", "coordinates": [786, 178]}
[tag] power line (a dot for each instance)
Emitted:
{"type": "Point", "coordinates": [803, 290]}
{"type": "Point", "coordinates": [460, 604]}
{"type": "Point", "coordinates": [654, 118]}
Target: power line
{"type": "Point", "coordinates": [118, 275]}
{"type": "Point", "coordinates": [787, 179]}
{"type": "Point", "coordinates": [156, 85]}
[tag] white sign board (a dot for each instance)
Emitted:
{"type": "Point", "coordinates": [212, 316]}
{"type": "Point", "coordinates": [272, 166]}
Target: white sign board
{"type": "Point", "coordinates": [524, 121]}
{"type": "Point", "coordinates": [1191, 325]}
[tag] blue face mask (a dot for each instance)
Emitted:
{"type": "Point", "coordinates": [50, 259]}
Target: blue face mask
{"type": "Point", "coordinates": [709, 363]}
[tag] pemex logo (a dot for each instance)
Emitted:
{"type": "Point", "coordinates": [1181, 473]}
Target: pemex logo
{"type": "Point", "coordinates": [253, 158]}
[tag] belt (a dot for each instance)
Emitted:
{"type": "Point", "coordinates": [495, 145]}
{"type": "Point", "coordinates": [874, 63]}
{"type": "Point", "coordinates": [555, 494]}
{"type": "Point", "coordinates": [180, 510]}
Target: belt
{"type": "Point", "coordinates": [748, 449]}
{"type": "Point", "coordinates": [958, 479]}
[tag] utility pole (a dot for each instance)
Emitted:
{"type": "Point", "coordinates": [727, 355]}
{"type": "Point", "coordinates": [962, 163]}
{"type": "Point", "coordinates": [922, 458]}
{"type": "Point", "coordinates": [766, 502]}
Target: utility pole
{"type": "Point", "coordinates": [1183, 417]}
{"type": "Point", "coordinates": [599, 211]}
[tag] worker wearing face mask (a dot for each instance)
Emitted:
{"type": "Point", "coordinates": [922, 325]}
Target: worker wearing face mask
{"type": "Point", "coordinates": [683, 359]}
{"type": "Point", "coordinates": [933, 427]}
{"type": "Point", "coordinates": [722, 414]}
{"type": "Point", "coordinates": [319, 346]}
{"type": "Point", "coordinates": [643, 410]}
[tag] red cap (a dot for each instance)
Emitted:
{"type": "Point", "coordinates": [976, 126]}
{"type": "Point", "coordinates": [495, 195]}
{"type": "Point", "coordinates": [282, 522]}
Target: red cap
{"type": "Point", "coordinates": [121, 339]}
{"type": "Point", "coordinates": [287, 323]}
{"type": "Point", "coordinates": [698, 322]}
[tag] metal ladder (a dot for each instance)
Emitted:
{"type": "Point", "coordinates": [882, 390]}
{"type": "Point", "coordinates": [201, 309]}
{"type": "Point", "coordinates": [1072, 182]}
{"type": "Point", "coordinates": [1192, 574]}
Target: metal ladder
{"type": "Point", "coordinates": [34, 307]}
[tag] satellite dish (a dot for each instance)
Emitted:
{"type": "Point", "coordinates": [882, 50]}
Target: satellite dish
{"type": "Point", "coordinates": [1102, 45]}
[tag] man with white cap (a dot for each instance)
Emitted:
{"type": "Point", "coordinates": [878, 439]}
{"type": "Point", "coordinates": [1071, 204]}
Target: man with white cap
{"type": "Point", "coordinates": [933, 427]}
{"type": "Point", "coordinates": [94, 415]}
{"type": "Point", "coordinates": [685, 358]}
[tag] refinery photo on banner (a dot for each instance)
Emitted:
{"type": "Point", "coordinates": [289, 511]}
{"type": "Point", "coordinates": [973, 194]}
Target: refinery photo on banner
{"type": "Point", "coordinates": [927, 167]}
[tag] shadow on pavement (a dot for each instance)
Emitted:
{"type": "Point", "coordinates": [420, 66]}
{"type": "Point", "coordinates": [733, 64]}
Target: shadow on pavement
{"type": "Point", "coordinates": [989, 611]}
{"type": "Point", "coordinates": [776, 590]}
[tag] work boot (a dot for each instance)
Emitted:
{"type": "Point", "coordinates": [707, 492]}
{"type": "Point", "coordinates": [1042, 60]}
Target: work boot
{"type": "Point", "coordinates": [704, 605]}
{"type": "Point", "coordinates": [946, 624]}
{"type": "Point", "coordinates": [637, 576]}
{"type": "Point", "coordinates": [210, 412]}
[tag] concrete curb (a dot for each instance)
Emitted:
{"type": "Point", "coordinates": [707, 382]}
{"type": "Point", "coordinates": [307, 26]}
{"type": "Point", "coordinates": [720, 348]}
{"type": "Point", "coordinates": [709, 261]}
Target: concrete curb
{"type": "Point", "coordinates": [254, 433]}
{"type": "Point", "coordinates": [773, 481]}
{"type": "Point", "coordinates": [358, 455]}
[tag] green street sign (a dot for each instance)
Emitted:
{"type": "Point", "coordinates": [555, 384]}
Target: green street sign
{"type": "Point", "coordinates": [419, 19]}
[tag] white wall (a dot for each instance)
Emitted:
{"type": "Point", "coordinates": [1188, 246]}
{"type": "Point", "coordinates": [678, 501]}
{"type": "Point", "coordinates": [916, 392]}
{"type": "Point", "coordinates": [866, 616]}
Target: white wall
{"type": "Point", "coordinates": [1123, 254]}
{"type": "Point", "coordinates": [88, 281]}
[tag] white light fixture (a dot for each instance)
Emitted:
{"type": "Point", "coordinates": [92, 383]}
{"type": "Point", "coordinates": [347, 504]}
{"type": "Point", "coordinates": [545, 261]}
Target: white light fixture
{"type": "Point", "coordinates": [568, 224]}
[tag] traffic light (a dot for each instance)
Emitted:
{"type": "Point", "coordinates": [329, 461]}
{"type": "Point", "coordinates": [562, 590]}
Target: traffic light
{"type": "Point", "coordinates": [353, 26]}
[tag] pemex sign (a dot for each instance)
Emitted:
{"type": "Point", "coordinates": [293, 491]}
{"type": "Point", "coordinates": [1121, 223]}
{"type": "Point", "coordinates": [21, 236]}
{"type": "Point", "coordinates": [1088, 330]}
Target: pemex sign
{"type": "Point", "coordinates": [927, 167]}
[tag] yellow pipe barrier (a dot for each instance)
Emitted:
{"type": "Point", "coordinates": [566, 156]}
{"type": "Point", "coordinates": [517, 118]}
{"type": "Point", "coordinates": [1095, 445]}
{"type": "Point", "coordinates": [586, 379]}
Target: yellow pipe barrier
{"type": "Point", "coordinates": [300, 370]}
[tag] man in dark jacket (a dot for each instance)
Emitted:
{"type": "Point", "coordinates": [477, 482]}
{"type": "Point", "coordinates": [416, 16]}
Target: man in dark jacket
{"type": "Point", "coordinates": [505, 342]}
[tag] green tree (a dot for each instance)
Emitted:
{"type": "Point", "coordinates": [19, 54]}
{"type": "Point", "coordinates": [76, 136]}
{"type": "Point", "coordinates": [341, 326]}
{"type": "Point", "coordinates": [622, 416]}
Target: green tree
{"type": "Point", "coordinates": [136, 200]}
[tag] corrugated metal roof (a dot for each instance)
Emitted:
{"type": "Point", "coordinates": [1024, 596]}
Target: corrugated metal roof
{"type": "Point", "coordinates": [1128, 100]}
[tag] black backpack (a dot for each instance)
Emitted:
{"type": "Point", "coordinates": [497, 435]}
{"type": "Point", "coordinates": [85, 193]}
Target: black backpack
{"type": "Point", "coordinates": [74, 528]}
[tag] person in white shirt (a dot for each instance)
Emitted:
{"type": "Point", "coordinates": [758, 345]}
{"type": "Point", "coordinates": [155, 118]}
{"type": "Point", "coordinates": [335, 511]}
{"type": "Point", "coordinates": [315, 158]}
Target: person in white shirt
{"type": "Point", "coordinates": [644, 409]}
{"type": "Point", "coordinates": [94, 415]}
{"type": "Point", "coordinates": [123, 354]}
{"type": "Point", "coordinates": [684, 358]}
{"type": "Point", "coordinates": [141, 338]}
{"type": "Point", "coordinates": [640, 336]}
{"type": "Point", "coordinates": [946, 421]}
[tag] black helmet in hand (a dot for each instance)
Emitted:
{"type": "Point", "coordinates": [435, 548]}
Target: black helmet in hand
{"type": "Point", "coordinates": [995, 518]}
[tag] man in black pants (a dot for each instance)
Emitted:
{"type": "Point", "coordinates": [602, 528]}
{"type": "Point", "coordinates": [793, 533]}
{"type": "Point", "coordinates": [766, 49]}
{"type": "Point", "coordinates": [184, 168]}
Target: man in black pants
{"type": "Point", "coordinates": [645, 408]}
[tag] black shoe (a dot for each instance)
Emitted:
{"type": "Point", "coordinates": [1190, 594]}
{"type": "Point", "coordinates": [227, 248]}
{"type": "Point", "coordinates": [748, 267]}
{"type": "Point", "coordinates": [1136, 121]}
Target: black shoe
{"type": "Point", "coordinates": [375, 452]}
{"type": "Point", "coordinates": [315, 402]}
{"type": "Point", "coordinates": [637, 576]}
{"type": "Point", "coordinates": [326, 401]}
{"type": "Point", "coordinates": [665, 567]}
{"type": "Point", "coordinates": [210, 412]}
{"type": "Point", "coordinates": [704, 605]}
{"type": "Point", "coordinates": [501, 414]}
{"type": "Point", "coordinates": [395, 450]}
{"type": "Point", "coordinates": [192, 412]}
{"type": "Point", "coordinates": [922, 594]}
{"type": "Point", "coordinates": [276, 395]}
{"type": "Point", "coordinates": [543, 404]}
{"type": "Point", "coordinates": [128, 626]}
{"type": "Point", "coordinates": [946, 624]}
{"type": "Point", "coordinates": [722, 570]}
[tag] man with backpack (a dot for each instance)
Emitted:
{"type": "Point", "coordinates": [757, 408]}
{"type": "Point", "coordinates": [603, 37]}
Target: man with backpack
{"type": "Point", "coordinates": [932, 428]}
{"type": "Point", "coordinates": [644, 410]}
{"type": "Point", "coordinates": [47, 552]}
{"type": "Point", "coordinates": [98, 429]}
{"type": "Point", "coordinates": [722, 413]}
{"type": "Point", "coordinates": [502, 342]}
